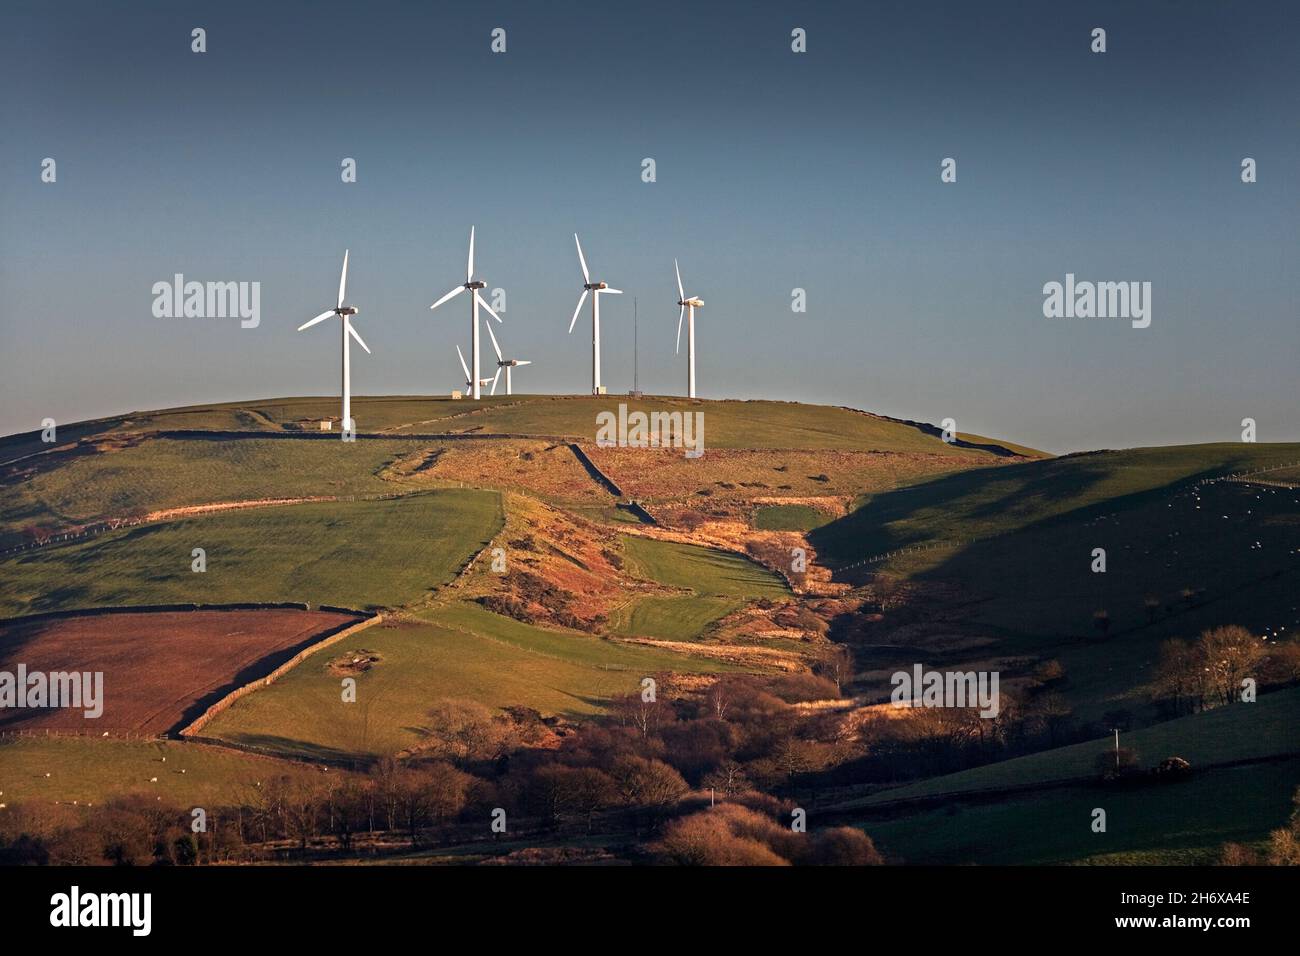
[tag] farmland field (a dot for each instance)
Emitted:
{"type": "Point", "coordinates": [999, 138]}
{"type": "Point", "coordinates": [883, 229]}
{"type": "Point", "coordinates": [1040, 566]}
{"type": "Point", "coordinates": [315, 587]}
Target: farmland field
{"type": "Point", "coordinates": [459, 651]}
{"type": "Point", "coordinates": [729, 424]}
{"type": "Point", "coordinates": [984, 502]}
{"type": "Point", "coordinates": [46, 770]}
{"type": "Point", "coordinates": [670, 618]}
{"type": "Point", "coordinates": [131, 479]}
{"type": "Point", "coordinates": [705, 571]}
{"type": "Point", "coordinates": [160, 669]}
{"type": "Point", "coordinates": [789, 518]}
{"type": "Point", "coordinates": [1239, 732]}
{"type": "Point", "coordinates": [355, 554]}
{"type": "Point", "coordinates": [1238, 804]}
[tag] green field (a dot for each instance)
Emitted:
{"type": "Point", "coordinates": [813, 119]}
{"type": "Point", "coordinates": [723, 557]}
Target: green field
{"type": "Point", "coordinates": [92, 769]}
{"type": "Point", "coordinates": [670, 618]}
{"type": "Point", "coordinates": [1147, 824]}
{"type": "Point", "coordinates": [983, 502]}
{"type": "Point", "coordinates": [158, 474]}
{"type": "Point", "coordinates": [1184, 822]}
{"type": "Point", "coordinates": [455, 651]}
{"type": "Point", "coordinates": [706, 571]}
{"type": "Point", "coordinates": [790, 518]}
{"type": "Point", "coordinates": [356, 554]}
{"type": "Point", "coordinates": [719, 582]}
{"type": "Point", "coordinates": [730, 424]}
{"type": "Point", "coordinates": [1240, 732]}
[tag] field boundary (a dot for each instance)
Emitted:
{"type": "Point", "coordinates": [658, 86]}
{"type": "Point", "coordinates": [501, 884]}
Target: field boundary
{"type": "Point", "coordinates": [369, 620]}
{"type": "Point", "coordinates": [594, 471]}
{"type": "Point", "coordinates": [167, 608]}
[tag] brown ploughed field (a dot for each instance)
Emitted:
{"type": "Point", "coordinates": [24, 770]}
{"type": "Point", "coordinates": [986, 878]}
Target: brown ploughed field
{"type": "Point", "coordinates": [161, 669]}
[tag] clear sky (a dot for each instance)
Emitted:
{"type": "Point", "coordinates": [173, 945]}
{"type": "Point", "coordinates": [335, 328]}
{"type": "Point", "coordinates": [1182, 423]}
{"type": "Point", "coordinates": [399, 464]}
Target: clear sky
{"type": "Point", "coordinates": [775, 170]}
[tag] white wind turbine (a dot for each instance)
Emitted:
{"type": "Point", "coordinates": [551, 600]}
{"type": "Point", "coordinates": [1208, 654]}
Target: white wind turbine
{"type": "Point", "coordinates": [343, 312]}
{"type": "Point", "coordinates": [598, 288]}
{"type": "Point", "coordinates": [475, 301]}
{"type": "Point", "coordinates": [482, 383]}
{"type": "Point", "coordinates": [503, 363]}
{"type": "Point", "coordinates": [688, 307]}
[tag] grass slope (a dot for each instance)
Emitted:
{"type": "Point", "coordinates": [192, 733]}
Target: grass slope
{"type": "Point", "coordinates": [156, 474]}
{"type": "Point", "coordinates": [670, 618]}
{"type": "Point", "coordinates": [455, 651]}
{"type": "Point", "coordinates": [983, 502]}
{"type": "Point", "coordinates": [790, 518]}
{"type": "Point", "coordinates": [92, 769]}
{"type": "Point", "coordinates": [1185, 822]}
{"type": "Point", "coordinates": [729, 424]}
{"type": "Point", "coordinates": [1240, 732]}
{"type": "Point", "coordinates": [706, 571]}
{"type": "Point", "coordinates": [356, 554]}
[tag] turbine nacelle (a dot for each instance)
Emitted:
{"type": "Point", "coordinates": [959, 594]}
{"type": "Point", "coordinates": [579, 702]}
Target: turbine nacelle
{"type": "Point", "coordinates": [476, 284]}
{"type": "Point", "coordinates": [693, 303]}
{"type": "Point", "coordinates": [595, 286]}
{"type": "Point", "coordinates": [346, 310]}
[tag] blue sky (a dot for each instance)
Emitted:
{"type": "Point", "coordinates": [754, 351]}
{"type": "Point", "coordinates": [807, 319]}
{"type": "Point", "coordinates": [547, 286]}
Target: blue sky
{"type": "Point", "coordinates": [774, 171]}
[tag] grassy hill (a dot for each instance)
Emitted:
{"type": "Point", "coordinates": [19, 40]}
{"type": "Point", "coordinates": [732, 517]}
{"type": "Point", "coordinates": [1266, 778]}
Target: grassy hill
{"type": "Point", "coordinates": [457, 650]}
{"type": "Point", "coordinates": [1162, 824]}
{"type": "Point", "coordinates": [92, 769]}
{"type": "Point", "coordinates": [1152, 823]}
{"type": "Point", "coordinates": [354, 553]}
{"type": "Point", "coordinates": [984, 502]}
{"type": "Point", "coordinates": [727, 424]}
{"type": "Point", "coordinates": [716, 582]}
{"type": "Point", "coordinates": [702, 570]}
{"type": "Point", "coordinates": [1239, 732]}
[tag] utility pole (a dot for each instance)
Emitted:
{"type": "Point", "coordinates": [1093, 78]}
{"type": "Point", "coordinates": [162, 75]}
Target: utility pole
{"type": "Point", "coordinates": [636, 380]}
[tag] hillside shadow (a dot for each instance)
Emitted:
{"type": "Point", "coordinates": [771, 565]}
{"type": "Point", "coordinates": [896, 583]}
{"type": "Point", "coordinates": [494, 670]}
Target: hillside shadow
{"type": "Point", "coordinates": [276, 745]}
{"type": "Point", "coordinates": [882, 524]}
{"type": "Point", "coordinates": [952, 507]}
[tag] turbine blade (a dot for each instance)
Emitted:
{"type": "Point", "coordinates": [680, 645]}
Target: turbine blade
{"type": "Point", "coordinates": [524, 362]}
{"type": "Point", "coordinates": [495, 378]}
{"type": "Point", "coordinates": [581, 300]}
{"type": "Point", "coordinates": [586, 276]}
{"type": "Point", "coordinates": [680, 293]}
{"type": "Point", "coordinates": [343, 278]}
{"type": "Point", "coordinates": [468, 380]}
{"type": "Point", "coordinates": [680, 315]}
{"type": "Point", "coordinates": [495, 347]}
{"type": "Point", "coordinates": [356, 335]}
{"type": "Point", "coordinates": [469, 272]}
{"type": "Point", "coordinates": [611, 291]}
{"type": "Point", "coordinates": [483, 303]}
{"type": "Point", "coordinates": [450, 295]}
{"type": "Point", "coordinates": [320, 318]}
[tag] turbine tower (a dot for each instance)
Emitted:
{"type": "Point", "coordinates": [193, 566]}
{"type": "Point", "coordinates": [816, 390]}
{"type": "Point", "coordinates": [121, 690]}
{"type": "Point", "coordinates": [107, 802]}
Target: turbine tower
{"type": "Point", "coordinates": [503, 363]}
{"type": "Point", "coordinates": [688, 308]}
{"type": "Point", "coordinates": [482, 382]}
{"type": "Point", "coordinates": [598, 288]}
{"type": "Point", "coordinates": [346, 329]}
{"type": "Point", "coordinates": [476, 300]}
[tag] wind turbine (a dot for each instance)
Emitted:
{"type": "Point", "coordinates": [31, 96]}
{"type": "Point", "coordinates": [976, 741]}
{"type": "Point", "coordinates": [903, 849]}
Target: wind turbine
{"type": "Point", "coordinates": [476, 300]}
{"type": "Point", "coordinates": [343, 312]}
{"type": "Point", "coordinates": [503, 363]}
{"type": "Point", "coordinates": [482, 382]}
{"type": "Point", "coordinates": [587, 287]}
{"type": "Point", "coordinates": [688, 306]}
